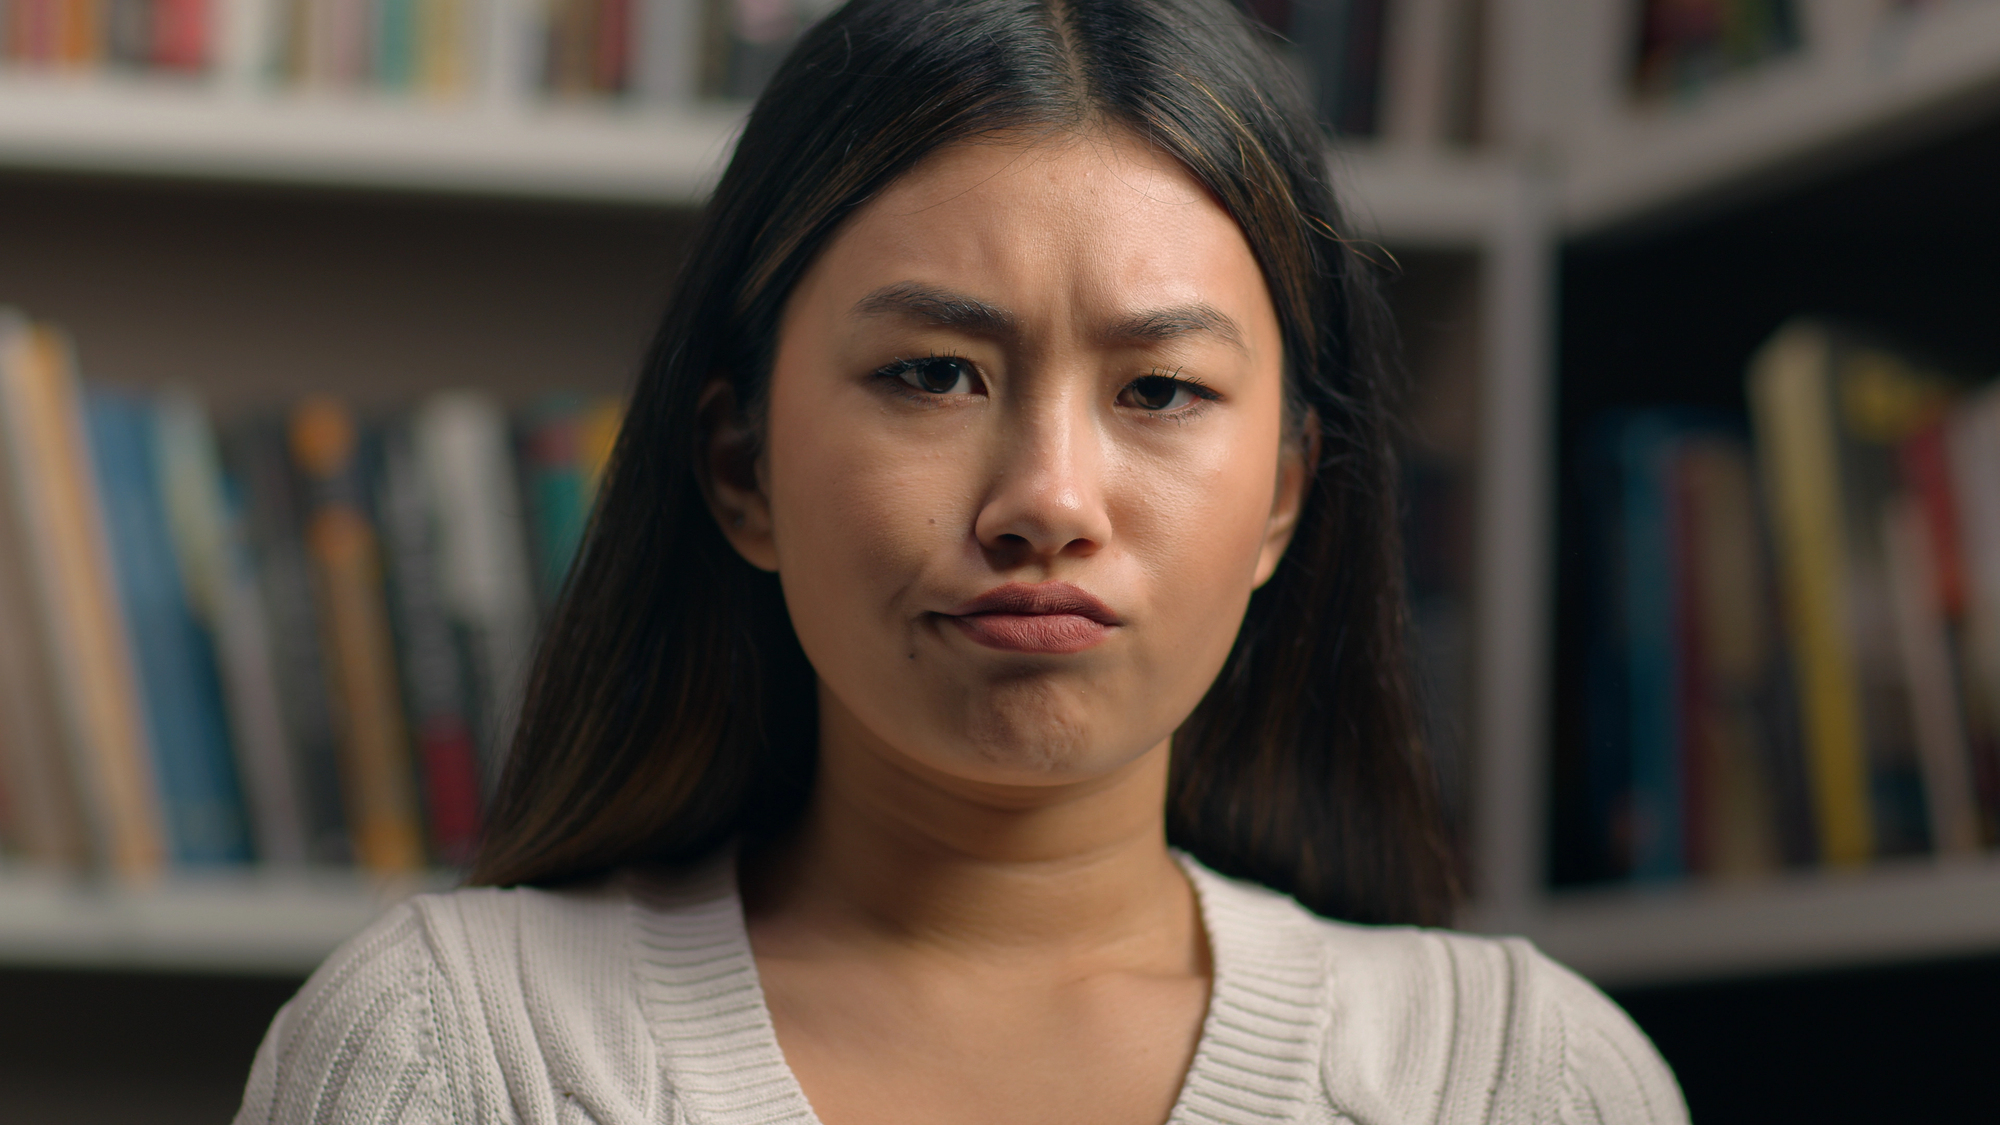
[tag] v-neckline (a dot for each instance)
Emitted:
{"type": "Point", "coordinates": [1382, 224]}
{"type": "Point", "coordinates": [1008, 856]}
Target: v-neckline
{"type": "Point", "coordinates": [1256, 1060]}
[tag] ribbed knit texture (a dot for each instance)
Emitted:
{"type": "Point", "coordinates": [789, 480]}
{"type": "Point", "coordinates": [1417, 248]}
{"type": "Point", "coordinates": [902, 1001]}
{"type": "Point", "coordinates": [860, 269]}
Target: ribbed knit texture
{"type": "Point", "coordinates": [637, 1003]}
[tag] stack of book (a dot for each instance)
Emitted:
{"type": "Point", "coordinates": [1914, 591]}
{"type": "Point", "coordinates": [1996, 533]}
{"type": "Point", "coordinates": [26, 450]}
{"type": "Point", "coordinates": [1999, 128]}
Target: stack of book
{"type": "Point", "coordinates": [1403, 69]}
{"type": "Point", "coordinates": [1794, 620]}
{"type": "Point", "coordinates": [153, 35]}
{"type": "Point", "coordinates": [292, 640]}
{"type": "Point", "coordinates": [642, 50]}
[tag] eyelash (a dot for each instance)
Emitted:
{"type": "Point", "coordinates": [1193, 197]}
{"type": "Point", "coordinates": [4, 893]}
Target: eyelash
{"type": "Point", "coordinates": [891, 375]}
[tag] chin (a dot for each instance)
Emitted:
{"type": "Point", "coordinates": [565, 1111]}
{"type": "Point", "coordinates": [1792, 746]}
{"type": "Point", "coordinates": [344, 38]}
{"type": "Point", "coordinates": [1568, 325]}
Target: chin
{"type": "Point", "coordinates": [1038, 738]}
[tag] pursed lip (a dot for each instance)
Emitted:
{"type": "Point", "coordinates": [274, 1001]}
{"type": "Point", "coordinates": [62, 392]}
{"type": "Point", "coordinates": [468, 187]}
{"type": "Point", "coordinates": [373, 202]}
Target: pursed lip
{"type": "Point", "coordinates": [1043, 617]}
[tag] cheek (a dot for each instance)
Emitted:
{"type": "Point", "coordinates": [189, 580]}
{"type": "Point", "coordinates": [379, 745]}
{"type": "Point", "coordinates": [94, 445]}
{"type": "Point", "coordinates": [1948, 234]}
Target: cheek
{"type": "Point", "coordinates": [855, 517]}
{"type": "Point", "coordinates": [1197, 528]}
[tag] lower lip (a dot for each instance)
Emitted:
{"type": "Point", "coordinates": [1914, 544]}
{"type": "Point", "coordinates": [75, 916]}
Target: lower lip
{"type": "Point", "coordinates": [1036, 632]}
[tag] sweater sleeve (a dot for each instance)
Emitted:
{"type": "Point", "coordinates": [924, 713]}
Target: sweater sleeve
{"type": "Point", "coordinates": [359, 1044]}
{"type": "Point", "coordinates": [1611, 1073]}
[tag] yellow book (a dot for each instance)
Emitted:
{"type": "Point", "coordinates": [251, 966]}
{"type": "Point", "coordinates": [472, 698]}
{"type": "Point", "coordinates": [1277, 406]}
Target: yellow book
{"type": "Point", "coordinates": [1833, 413]}
{"type": "Point", "coordinates": [1793, 411]}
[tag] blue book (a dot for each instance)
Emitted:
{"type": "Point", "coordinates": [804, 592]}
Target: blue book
{"type": "Point", "coordinates": [1646, 448]}
{"type": "Point", "coordinates": [180, 689]}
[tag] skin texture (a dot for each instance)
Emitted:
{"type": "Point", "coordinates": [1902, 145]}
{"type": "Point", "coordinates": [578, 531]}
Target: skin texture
{"type": "Point", "coordinates": [978, 919]}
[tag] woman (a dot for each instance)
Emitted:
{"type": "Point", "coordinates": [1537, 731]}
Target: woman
{"type": "Point", "coordinates": [1006, 499]}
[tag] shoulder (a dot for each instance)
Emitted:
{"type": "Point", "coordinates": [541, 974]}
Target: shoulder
{"type": "Point", "coordinates": [477, 1004]}
{"type": "Point", "coordinates": [1434, 1025]}
{"type": "Point", "coordinates": [359, 1041]}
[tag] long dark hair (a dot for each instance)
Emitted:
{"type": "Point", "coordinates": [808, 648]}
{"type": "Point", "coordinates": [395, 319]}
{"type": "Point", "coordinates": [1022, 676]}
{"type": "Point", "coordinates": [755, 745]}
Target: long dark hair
{"type": "Point", "coordinates": [670, 709]}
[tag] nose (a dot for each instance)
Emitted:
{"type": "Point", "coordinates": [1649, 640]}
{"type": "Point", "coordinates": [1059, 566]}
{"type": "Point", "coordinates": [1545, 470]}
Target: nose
{"type": "Point", "coordinates": [1047, 498]}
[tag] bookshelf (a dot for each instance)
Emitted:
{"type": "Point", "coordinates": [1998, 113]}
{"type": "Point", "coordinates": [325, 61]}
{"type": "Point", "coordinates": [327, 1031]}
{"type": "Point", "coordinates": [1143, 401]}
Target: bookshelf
{"type": "Point", "coordinates": [264, 923]}
{"type": "Point", "coordinates": [1893, 911]}
{"type": "Point", "coordinates": [1567, 166]}
{"type": "Point", "coordinates": [659, 156]}
{"type": "Point", "coordinates": [1868, 81]}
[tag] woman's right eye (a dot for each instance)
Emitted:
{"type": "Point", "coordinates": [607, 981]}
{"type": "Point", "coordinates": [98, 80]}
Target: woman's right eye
{"type": "Point", "coordinates": [936, 375]}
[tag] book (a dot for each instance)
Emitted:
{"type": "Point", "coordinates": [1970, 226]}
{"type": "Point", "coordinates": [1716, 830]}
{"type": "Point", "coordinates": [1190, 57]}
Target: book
{"type": "Point", "coordinates": [180, 688]}
{"type": "Point", "coordinates": [1923, 640]}
{"type": "Point", "coordinates": [1647, 445]}
{"type": "Point", "coordinates": [1972, 453]}
{"type": "Point", "coordinates": [1733, 776]}
{"type": "Point", "coordinates": [257, 458]}
{"type": "Point", "coordinates": [44, 820]}
{"type": "Point", "coordinates": [211, 544]}
{"type": "Point", "coordinates": [558, 488]}
{"type": "Point", "coordinates": [90, 658]}
{"type": "Point", "coordinates": [464, 444]}
{"type": "Point", "coordinates": [376, 772]}
{"type": "Point", "coordinates": [430, 652]}
{"type": "Point", "coordinates": [1830, 410]}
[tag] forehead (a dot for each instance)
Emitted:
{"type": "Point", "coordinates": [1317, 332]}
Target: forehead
{"type": "Point", "coordinates": [1098, 218]}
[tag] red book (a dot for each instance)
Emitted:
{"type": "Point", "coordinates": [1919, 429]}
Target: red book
{"type": "Point", "coordinates": [180, 34]}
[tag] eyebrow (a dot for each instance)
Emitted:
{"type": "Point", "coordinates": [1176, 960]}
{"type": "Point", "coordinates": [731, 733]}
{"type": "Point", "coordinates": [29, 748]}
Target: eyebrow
{"type": "Point", "coordinates": [941, 307]}
{"type": "Point", "coordinates": [948, 309]}
{"type": "Point", "coordinates": [1175, 322]}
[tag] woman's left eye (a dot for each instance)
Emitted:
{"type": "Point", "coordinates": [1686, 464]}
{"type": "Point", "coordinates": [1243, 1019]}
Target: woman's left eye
{"type": "Point", "coordinates": [1160, 394]}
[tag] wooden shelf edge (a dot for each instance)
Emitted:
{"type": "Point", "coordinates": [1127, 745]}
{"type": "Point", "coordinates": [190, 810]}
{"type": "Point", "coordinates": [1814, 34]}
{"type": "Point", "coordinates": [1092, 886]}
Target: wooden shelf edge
{"type": "Point", "coordinates": [1895, 911]}
{"type": "Point", "coordinates": [249, 923]}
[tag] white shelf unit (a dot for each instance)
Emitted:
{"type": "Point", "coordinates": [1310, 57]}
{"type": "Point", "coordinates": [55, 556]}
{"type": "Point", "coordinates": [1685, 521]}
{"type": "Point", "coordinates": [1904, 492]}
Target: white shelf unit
{"type": "Point", "coordinates": [250, 922]}
{"type": "Point", "coordinates": [1868, 79]}
{"type": "Point", "coordinates": [188, 130]}
{"type": "Point", "coordinates": [1893, 911]}
{"type": "Point", "coordinates": [1567, 153]}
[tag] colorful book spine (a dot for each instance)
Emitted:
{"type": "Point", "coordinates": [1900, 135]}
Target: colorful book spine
{"type": "Point", "coordinates": [258, 460]}
{"type": "Point", "coordinates": [431, 657]}
{"type": "Point", "coordinates": [558, 493]}
{"type": "Point", "coordinates": [1793, 411]}
{"type": "Point", "coordinates": [180, 687]}
{"type": "Point", "coordinates": [340, 538]}
{"type": "Point", "coordinates": [44, 819]}
{"type": "Point", "coordinates": [210, 541]}
{"type": "Point", "coordinates": [1924, 640]}
{"type": "Point", "coordinates": [1972, 441]}
{"type": "Point", "coordinates": [90, 652]}
{"type": "Point", "coordinates": [1729, 651]}
{"type": "Point", "coordinates": [1653, 734]}
{"type": "Point", "coordinates": [464, 443]}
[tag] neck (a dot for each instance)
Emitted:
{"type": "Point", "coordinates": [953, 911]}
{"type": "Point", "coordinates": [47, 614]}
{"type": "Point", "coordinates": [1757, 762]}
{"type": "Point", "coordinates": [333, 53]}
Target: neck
{"type": "Point", "coordinates": [891, 850]}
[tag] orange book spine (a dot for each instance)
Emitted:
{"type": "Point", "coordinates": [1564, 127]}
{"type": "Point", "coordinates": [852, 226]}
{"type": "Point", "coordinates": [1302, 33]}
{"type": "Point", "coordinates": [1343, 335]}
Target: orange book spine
{"type": "Point", "coordinates": [354, 618]}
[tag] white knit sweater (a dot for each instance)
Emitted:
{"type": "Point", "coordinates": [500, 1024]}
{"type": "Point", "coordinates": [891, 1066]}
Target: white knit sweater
{"type": "Point", "coordinates": [637, 1003]}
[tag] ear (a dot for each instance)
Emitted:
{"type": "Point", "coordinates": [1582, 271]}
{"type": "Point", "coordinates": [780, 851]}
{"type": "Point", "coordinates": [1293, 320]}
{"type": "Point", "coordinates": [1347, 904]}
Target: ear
{"type": "Point", "coordinates": [732, 476]}
{"type": "Point", "coordinates": [1299, 454]}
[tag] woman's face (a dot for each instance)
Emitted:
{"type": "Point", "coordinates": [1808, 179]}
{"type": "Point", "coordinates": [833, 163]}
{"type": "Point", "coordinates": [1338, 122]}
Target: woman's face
{"type": "Point", "coordinates": [1025, 459]}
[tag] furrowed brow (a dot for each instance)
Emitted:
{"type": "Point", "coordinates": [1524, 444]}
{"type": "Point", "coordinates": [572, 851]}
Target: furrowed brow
{"type": "Point", "coordinates": [941, 307]}
{"type": "Point", "coordinates": [1176, 322]}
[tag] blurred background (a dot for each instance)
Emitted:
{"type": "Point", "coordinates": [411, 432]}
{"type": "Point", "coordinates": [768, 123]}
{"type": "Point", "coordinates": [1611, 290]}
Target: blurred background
{"type": "Point", "coordinates": [316, 316]}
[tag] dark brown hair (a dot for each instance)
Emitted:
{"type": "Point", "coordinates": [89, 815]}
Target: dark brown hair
{"type": "Point", "coordinates": [670, 709]}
